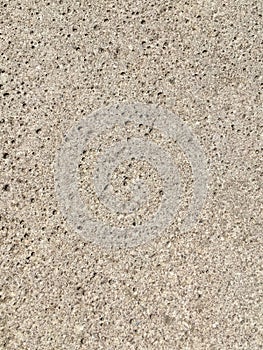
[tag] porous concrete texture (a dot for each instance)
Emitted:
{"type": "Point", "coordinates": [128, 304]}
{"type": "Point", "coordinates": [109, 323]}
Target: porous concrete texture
{"type": "Point", "coordinates": [60, 61]}
{"type": "Point", "coordinates": [127, 199]}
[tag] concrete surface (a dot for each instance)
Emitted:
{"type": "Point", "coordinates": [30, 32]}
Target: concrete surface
{"type": "Point", "coordinates": [61, 61]}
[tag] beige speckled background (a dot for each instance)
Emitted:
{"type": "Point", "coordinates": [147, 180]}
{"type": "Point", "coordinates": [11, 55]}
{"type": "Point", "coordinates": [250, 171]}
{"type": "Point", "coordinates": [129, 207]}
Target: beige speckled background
{"type": "Point", "coordinates": [61, 60]}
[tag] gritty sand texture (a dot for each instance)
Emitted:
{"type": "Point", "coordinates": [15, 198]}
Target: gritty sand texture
{"type": "Point", "coordinates": [61, 61]}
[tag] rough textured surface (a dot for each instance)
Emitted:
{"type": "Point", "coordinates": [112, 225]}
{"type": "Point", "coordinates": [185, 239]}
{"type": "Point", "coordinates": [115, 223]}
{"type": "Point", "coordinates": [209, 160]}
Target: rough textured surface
{"type": "Point", "coordinates": [112, 215]}
{"type": "Point", "coordinates": [60, 61]}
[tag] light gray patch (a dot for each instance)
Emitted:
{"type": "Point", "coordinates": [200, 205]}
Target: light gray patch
{"type": "Point", "coordinates": [103, 120]}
